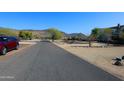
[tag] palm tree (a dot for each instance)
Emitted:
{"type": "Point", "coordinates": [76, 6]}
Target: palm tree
{"type": "Point", "coordinates": [94, 33]}
{"type": "Point", "coordinates": [93, 36]}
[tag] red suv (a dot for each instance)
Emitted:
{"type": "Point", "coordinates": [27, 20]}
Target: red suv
{"type": "Point", "coordinates": [8, 43]}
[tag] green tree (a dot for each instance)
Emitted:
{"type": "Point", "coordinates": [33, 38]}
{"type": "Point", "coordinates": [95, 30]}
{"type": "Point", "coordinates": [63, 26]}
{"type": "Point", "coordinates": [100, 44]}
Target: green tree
{"type": "Point", "coordinates": [22, 35]}
{"type": "Point", "coordinates": [28, 35]}
{"type": "Point", "coordinates": [94, 33]}
{"type": "Point", "coordinates": [93, 36]}
{"type": "Point", "coordinates": [54, 34]}
{"type": "Point", "coordinates": [105, 34]}
{"type": "Point", "coordinates": [102, 37]}
{"type": "Point", "coordinates": [25, 35]}
{"type": "Point", "coordinates": [108, 35]}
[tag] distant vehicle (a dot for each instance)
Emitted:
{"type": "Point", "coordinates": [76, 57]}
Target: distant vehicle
{"type": "Point", "coordinates": [8, 43]}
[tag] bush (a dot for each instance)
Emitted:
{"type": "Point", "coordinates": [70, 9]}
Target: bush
{"type": "Point", "coordinates": [25, 35]}
{"type": "Point", "coordinates": [54, 34]}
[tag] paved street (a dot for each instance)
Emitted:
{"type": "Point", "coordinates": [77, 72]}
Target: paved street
{"type": "Point", "coordinates": [47, 62]}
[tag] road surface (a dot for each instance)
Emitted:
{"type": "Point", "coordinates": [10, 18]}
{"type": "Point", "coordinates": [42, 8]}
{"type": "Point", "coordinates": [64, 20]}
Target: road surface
{"type": "Point", "coordinates": [47, 62]}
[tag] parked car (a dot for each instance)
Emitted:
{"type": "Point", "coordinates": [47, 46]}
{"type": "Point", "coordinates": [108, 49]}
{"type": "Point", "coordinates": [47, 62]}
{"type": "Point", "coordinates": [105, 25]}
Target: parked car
{"type": "Point", "coordinates": [8, 43]}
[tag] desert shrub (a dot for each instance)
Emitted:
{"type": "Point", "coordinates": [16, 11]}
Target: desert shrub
{"type": "Point", "coordinates": [25, 35]}
{"type": "Point", "coordinates": [54, 34]}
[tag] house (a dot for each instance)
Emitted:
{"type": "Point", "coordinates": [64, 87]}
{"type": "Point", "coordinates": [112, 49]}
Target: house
{"type": "Point", "coordinates": [117, 31]}
{"type": "Point", "coordinates": [112, 34]}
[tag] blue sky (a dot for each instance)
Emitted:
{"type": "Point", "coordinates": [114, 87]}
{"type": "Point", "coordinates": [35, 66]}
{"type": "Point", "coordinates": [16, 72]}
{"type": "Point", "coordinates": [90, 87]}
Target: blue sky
{"type": "Point", "coordinates": [69, 22]}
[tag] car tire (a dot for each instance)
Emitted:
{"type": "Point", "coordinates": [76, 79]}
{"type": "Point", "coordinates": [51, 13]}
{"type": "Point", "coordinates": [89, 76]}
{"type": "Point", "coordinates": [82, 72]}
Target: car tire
{"type": "Point", "coordinates": [17, 47]}
{"type": "Point", "coordinates": [4, 51]}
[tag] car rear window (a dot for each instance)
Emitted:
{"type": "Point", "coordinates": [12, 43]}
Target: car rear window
{"type": "Point", "coordinates": [12, 39]}
{"type": "Point", "coordinates": [1, 39]}
{"type": "Point", "coordinates": [8, 39]}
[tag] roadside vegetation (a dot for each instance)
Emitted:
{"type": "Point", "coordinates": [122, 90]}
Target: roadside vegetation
{"type": "Point", "coordinates": [51, 33]}
{"type": "Point", "coordinates": [25, 35]}
{"type": "Point", "coordinates": [6, 31]}
{"type": "Point", "coordinates": [54, 34]}
{"type": "Point", "coordinates": [102, 35]}
{"type": "Point", "coordinates": [107, 36]}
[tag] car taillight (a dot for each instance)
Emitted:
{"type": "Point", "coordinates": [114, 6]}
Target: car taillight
{"type": "Point", "coordinates": [0, 46]}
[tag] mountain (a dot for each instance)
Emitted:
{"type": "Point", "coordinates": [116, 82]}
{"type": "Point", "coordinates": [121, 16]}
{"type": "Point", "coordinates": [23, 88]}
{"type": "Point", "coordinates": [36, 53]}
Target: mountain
{"type": "Point", "coordinates": [38, 33]}
{"type": "Point", "coordinates": [79, 35]}
{"type": "Point", "coordinates": [7, 31]}
{"type": "Point", "coordinates": [5, 28]}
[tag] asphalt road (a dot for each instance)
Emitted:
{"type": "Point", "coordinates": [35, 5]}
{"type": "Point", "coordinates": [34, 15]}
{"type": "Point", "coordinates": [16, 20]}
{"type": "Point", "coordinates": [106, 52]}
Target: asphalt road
{"type": "Point", "coordinates": [47, 62]}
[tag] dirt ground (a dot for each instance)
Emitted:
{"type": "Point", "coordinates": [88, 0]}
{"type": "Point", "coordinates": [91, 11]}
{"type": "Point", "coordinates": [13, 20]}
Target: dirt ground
{"type": "Point", "coordinates": [101, 57]}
